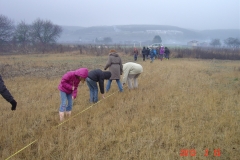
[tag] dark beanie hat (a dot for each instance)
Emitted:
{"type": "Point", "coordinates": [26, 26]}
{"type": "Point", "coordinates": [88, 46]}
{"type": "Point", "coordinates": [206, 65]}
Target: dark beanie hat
{"type": "Point", "coordinates": [107, 74]}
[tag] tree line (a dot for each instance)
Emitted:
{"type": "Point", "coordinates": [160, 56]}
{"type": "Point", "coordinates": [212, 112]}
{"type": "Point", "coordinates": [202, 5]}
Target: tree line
{"type": "Point", "coordinates": [39, 36]}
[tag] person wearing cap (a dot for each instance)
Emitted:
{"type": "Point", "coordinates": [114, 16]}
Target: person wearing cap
{"type": "Point", "coordinates": [114, 64]}
{"type": "Point", "coordinates": [131, 72]}
{"type": "Point", "coordinates": [68, 89]}
{"type": "Point", "coordinates": [7, 95]}
{"type": "Point", "coordinates": [95, 76]}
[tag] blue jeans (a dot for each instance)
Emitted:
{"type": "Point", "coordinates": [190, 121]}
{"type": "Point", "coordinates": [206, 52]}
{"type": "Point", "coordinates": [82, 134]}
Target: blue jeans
{"type": "Point", "coordinates": [118, 83]}
{"type": "Point", "coordinates": [64, 98]}
{"type": "Point", "coordinates": [93, 88]}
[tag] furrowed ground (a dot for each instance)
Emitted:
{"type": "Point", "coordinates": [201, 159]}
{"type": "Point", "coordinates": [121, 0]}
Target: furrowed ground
{"type": "Point", "coordinates": [181, 105]}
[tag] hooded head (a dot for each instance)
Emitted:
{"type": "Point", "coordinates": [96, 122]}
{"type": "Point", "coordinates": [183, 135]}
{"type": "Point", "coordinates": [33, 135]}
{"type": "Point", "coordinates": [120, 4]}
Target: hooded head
{"type": "Point", "coordinates": [107, 74]}
{"type": "Point", "coordinates": [82, 72]}
{"type": "Point", "coordinates": [112, 51]}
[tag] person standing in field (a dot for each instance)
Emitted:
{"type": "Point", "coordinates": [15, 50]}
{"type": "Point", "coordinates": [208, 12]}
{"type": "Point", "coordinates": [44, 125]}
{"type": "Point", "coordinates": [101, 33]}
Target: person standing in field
{"type": "Point", "coordinates": [144, 53]}
{"type": "Point", "coordinates": [131, 72]}
{"type": "Point", "coordinates": [135, 53]}
{"type": "Point", "coordinates": [114, 64]}
{"type": "Point", "coordinates": [153, 54]}
{"type": "Point", "coordinates": [95, 76]}
{"type": "Point", "coordinates": [68, 89]}
{"type": "Point", "coordinates": [148, 53]}
{"type": "Point", "coordinates": [7, 95]}
{"type": "Point", "coordinates": [167, 53]}
{"type": "Point", "coordinates": [161, 53]}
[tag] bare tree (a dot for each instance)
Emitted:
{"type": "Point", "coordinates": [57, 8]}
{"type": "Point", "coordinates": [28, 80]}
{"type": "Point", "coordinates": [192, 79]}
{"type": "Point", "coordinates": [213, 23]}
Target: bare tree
{"type": "Point", "coordinates": [44, 33]}
{"type": "Point", "coordinates": [22, 35]}
{"type": "Point", "coordinates": [157, 39]}
{"type": "Point", "coordinates": [6, 30]}
{"type": "Point", "coordinates": [232, 42]}
{"type": "Point", "coordinates": [215, 42]}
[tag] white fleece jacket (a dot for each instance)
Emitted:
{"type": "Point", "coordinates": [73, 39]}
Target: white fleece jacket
{"type": "Point", "coordinates": [131, 68]}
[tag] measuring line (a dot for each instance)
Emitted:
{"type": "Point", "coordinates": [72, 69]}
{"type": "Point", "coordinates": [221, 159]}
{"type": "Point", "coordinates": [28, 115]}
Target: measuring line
{"type": "Point", "coordinates": [21, 149]}
{"type": "Point", "coordinates": [58, 126]}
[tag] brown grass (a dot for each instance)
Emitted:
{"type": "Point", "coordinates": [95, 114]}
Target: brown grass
{"type": "Point", "coordinates": [180, 104]}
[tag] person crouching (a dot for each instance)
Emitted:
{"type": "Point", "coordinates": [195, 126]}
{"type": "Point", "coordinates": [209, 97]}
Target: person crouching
{"type": "Point", "coordinates": [68, 89]}
{"type": "Point", "coordinates": [131, 72]}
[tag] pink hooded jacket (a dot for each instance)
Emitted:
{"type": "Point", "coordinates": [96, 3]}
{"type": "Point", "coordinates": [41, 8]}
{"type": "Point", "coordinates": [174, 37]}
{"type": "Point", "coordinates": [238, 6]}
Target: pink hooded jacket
{"type": "Point", "coordinates": [69, 80]}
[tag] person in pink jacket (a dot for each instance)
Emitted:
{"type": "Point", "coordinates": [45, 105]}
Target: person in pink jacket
{"type": "Point", "coordinates": [161, 53]}
{"type": "Point", "coordinates": [68, 89]}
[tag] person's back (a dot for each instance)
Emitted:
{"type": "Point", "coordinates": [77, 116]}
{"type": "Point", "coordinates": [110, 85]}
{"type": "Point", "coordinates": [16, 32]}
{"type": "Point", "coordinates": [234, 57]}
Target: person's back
{"type": "Point", "coordinates": [131, 71]}
{"type": "Point", "coordinates": [114, 64]}
{"type": "Point", "coordinates": [153, 52]}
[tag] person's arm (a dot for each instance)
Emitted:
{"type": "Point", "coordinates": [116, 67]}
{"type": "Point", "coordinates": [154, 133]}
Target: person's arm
{"type": "Point", "coordinates": [121, 67]}
{"type": "Point", "coordinates": [125, 74]}
{"type": "Point", "coordinates": [66, 79]}
{"type": "Point", "coordinates": [7, 95]}
{"type": "Point", "coordinates": [109, 62]}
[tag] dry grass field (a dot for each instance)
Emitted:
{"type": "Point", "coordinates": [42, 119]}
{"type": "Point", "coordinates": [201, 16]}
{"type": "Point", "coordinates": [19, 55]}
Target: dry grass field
{"type": "Point", "coordinates": [181, 105]}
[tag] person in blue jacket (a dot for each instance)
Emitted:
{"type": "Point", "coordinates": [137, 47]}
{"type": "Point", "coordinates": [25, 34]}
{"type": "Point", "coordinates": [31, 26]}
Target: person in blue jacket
{"type": "Point", "coordinates": [153, 53]}
{"type": "Point", "coordinates": [95, 76]}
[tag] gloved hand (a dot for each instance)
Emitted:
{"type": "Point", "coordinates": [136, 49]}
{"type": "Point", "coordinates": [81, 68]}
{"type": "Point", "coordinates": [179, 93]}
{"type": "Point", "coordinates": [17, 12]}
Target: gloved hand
{"type": "Point", "coordinates": [14, 105]}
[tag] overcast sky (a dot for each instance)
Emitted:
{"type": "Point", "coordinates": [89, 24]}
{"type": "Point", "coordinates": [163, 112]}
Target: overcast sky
{"type": "Point", "coordinates": [190, 14]}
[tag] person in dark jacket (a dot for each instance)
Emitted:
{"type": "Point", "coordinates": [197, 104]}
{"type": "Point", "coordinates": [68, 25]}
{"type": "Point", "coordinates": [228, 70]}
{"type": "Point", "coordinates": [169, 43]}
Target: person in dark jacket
{"type": "Point", "coordinates": [115, 66]}
{"type": "Point", "coordinates": [167, 52]}
{"type": "Point", "coordinates": [148, 53]}
{"type": "Point", "coordinates": [95, 76]}
{"type": "Point", "coordinates": [144, 53]}
{"type": "Point", "coordinates": [6, 94]}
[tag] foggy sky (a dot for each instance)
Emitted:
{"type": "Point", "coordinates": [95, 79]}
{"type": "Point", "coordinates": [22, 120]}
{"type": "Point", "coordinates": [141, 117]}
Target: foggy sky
{"type": "Point", "coordinates": [189, 14]}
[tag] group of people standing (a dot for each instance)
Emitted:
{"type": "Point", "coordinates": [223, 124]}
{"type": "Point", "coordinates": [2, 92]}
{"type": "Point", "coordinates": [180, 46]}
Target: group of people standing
{"type": "Point", "coordinates": [70, 81]}
{"type": "Point", "coordinates": [153, 53]}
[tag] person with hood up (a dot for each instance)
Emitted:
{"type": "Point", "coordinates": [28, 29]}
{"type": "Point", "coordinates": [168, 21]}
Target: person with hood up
{"type": "Point", "coordinates": [68, 89]}
{"type": "Point", "coordinates": [114, 64]}
{"type": "Point", "coordinates": [161, 53]}
{"type": "Point", "coordinates": [7, 95]}
{"type": "Point", "coordinates": [131, 71]}
{"type": "Point", "coordinates": [95, 76]}
{"type": "Point", "coordinates": [153, 54]}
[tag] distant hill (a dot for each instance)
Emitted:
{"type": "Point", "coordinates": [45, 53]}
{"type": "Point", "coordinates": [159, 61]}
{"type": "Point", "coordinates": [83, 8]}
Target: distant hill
{"type": "Point", "coordinates": [142, 34]}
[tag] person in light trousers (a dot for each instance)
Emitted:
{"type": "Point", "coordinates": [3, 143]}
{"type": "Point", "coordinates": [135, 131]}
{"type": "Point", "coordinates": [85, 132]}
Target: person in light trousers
{"type": "Point", "coordinates": [131, 72]}
{"type": "Point", "coordinates": [95, 76]}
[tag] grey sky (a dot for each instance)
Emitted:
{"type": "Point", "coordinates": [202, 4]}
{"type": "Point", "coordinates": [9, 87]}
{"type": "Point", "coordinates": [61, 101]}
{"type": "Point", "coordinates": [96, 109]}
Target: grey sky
{"type": "Point", "coordinates": [190, 14]}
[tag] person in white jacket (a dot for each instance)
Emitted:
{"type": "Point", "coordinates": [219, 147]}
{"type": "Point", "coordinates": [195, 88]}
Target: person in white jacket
{"type": "Point", "coordinates": [131, 72]}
